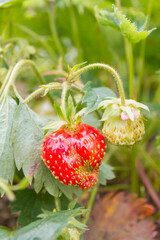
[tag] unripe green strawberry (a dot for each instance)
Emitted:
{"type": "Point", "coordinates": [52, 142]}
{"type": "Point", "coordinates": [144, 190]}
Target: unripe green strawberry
{"type": "Point", "coordinates": [123, 125]}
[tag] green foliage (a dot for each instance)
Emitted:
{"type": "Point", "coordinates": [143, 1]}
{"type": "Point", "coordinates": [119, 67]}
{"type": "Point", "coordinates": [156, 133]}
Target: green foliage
{"type": "Point", "coordinates": [94, 96]}
{"type": "Point", "coordinates": [30, 205]}
{"type": "Point", "coordinates": [105, 173]}
{"type": "Point", "coordinates": [134, 32]}
{"type": "Point", "coordinates": [27, 138]}
{"type": "Point", "coordinates": [48, 228]}
{"type": "Point", "coordinates": [7, 111]}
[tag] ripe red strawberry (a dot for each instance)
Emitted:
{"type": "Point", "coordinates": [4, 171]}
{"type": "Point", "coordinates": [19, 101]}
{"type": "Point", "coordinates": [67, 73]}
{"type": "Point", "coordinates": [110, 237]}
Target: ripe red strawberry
{"type": "Point", "coordinates": [74, 155]}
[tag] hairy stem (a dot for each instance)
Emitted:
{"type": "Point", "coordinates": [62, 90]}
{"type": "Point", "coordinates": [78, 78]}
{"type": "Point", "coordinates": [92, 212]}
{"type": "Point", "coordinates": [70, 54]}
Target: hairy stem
{"type": "Point", "coordinates": [90, 203]}
{"type": "Point", "coordinates": [43, 88]}
{"type": "Point", "coordinates": [108, 68]}
{"type": "Point", "coordinates": [32, 95]}
{"type": "Point", "coordinates": [13, 75]}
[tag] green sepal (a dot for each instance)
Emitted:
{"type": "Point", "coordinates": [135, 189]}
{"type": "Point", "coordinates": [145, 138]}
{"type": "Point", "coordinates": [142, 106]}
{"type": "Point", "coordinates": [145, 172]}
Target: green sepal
{"type": "Point", "coordinates": [141, 105]}
{"type": "Point", "coordinates": [78, 120]}
{"type": "Point", "coordinates": [105, 103]}
{"type": "Point", "coordinates": [78, 66]}
{"type": "Point", "coordinates": [58, 111]}
{"type": "Point", "coordinates": [81, 112]}
{"type": "Point", "coordinates": [54, 125]}
{"type": "Point", "coordinates": [110, 112]}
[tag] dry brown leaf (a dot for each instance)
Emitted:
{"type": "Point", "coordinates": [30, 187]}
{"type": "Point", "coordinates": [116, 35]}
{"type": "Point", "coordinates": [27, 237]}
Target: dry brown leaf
{"type": "Point", "coordinates": [120, 216]}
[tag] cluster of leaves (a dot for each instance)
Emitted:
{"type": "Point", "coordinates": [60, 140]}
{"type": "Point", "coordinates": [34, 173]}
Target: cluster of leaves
{"type": "Point", "coordinates": [134, 32]}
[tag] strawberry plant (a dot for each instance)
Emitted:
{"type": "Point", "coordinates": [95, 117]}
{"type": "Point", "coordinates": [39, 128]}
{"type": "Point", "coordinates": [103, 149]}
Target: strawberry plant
{"type": "Point", "coordinates": [65, 130]}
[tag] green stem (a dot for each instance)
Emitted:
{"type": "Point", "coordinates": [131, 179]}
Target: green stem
{"type": "Point", "coordinates": [157, 95]}
{"type": "Point", "coordinates": [43, 88]}
{"type": "Point", "coordinates": [142, 53]}
{"type": "Point", "coordinates": [64, 99]}
{"type": "Point", "coordinates": [32, 95]}
{"type": "Point", "coordinates": [108, 68]}
{"type": "Point", "coordinates": [134, 174]}
{"type": "Point", "coordinates": [38, 39]}
{"type": "Point", "coordinates": [90, 203]}
{"type": "Point", "coordinates": [15, 72]}
{"type": "Point", "coordinates": [129, 49]}
{"type": "Point", "coordinates": [57, 204]}
{"type": "Point", "coordinates": [129, 55]}
{"type": "Point", "coordinates": [54, 33]}
{"type": "Point", "coordinates": [141, 68]}
{"type": "Point", "coordinates": [74, 27]}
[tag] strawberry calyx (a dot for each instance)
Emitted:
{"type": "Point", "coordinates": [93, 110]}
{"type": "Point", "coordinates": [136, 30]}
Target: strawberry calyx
{"type": "Point", "coordinates": [123, 124]}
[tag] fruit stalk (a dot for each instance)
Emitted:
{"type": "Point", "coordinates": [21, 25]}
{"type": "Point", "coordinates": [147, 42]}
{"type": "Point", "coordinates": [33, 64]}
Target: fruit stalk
{"type": "Point", "coordinates": [90, 203]}
{"type": "Point", "coordinates": [108, 68]}
{"type": "Point", "coordinates": [130, 66]}
{"type": "Point", "coordinates": [57, 204]}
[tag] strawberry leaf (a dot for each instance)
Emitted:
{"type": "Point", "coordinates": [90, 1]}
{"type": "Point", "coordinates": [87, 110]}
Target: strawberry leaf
{"type": "Point", "coordinates": [26, 139]}
{"type": "Point", "coordinates": [30, 204]}
{"type": "Point", "coordinates": [134, 33]}
{"type": "Point", "coordinates": [94, 96]}
{"type": "Point", "coordinates": [48, 228]}
{"type": "Point", "coordinates": [105, 173]}
{"type": "Point", "coordinates": [7, 109]}
{"type": "Point", "coordinates": [44, 177]}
